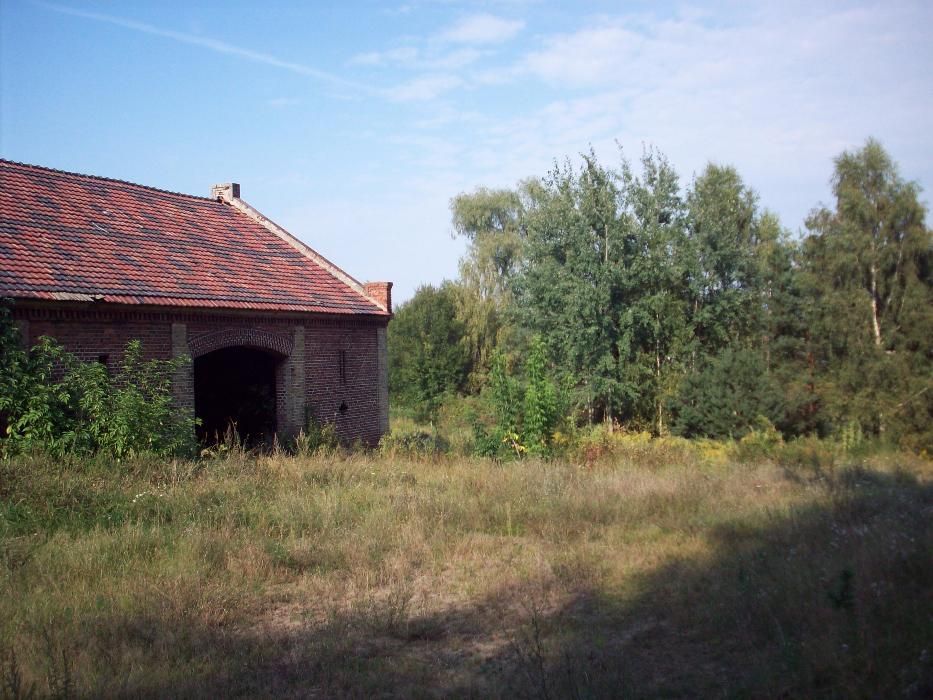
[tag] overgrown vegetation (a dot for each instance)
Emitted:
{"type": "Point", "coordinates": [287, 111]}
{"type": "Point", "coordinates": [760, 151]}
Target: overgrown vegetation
{"type": "Point", "coordinates": [635, 566]}
{"type": "Point", "coordinates": [687, 310]}
{"type": "Point", "coordinates": [53, 403]}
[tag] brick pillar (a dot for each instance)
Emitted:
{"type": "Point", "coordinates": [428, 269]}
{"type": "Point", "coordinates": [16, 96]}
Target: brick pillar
{"type": "Point", "coordinates": [183, 381]}
{"type": "Point", "coordinates": [295, 398]}
{"type": "Point", "coordinates": [290, 378]}
{"type": "Point", "coordinates": [382, 379]}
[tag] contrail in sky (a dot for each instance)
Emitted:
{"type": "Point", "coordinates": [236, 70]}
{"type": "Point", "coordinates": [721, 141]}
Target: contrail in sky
{"type": "Point", "coordinates": [213, 45]}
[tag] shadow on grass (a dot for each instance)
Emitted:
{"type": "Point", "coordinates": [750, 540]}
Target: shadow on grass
{"type": "Point", "coordinates": [833, 601]}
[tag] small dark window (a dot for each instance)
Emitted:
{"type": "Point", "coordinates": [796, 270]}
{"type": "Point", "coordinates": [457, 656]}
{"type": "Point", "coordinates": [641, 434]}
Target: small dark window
{"type": "Point", "coordinates": [102, 359]}
{"type": "Point", "coordinates": [343, 366]}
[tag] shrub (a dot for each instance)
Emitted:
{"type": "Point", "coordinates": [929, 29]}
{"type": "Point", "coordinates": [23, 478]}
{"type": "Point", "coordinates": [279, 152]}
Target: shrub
{"type": "Point", "coordinates": [598, 442]}
{"type": "Point", "coordinates": [540, 409]}
{"type": "Point", "coordinates": [761, 443]}
{"type": "Point", "coordinates": [808, 455]}
{"type": "Point", "coordinates": [52, 402]}
{"type": "Point", "coordinates": [428, 359]}
{"type": "Point", "coordinates": [525, 416]}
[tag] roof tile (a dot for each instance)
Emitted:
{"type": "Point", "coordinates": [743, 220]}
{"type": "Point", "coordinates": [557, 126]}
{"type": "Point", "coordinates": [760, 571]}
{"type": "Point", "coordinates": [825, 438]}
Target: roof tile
{"type": "Point", "coordinates": [65, 233]}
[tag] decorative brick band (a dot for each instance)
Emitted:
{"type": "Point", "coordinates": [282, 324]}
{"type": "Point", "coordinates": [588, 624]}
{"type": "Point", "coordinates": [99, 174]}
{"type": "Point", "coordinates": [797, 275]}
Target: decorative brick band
{"type": "Point", "coordinates": [72, 311]}
{"type": "Point", "coordinates": [249, 337]}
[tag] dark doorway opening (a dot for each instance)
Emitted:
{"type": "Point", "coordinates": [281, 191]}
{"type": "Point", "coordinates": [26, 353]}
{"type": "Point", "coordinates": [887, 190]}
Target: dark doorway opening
{"type": "Point", "coordinates": [236, 385]}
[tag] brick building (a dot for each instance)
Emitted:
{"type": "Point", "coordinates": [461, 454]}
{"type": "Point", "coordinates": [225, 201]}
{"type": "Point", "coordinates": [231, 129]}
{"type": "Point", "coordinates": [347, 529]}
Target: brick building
{"type": "Point", "coordinates": [277, 334]}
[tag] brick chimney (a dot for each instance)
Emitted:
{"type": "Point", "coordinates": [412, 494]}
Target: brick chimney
{"type": "Point", "coordinates": [381, 292]}
{"type": "Point", "coordinates": [226, 191]}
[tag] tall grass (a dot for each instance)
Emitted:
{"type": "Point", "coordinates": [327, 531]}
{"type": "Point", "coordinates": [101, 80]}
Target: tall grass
{"type": "Point", "coordinates": [645, 568]}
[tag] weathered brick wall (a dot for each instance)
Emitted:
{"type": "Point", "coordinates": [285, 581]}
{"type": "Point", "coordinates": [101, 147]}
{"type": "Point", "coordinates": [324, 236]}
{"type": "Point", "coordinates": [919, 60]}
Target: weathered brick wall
{"type": "Point", "coordinates": [349, 398]}
{"type": "Point", "coordinates": [92, 335]}
{"type": "Point", "coordinates": [333, 369]}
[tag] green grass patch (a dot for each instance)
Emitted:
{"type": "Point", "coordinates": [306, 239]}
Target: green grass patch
{"type": "Point", "coordinates": [653, 568]}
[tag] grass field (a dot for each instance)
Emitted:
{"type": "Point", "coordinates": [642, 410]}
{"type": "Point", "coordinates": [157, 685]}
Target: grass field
{"type": "Point", "coordinates": [652, 569]}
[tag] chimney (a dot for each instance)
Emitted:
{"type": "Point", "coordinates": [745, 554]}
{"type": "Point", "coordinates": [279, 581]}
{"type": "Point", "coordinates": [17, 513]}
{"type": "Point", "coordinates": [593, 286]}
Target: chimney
{"type": "Point", "coordinates": [226, 191]}
{"type": "Point", "coordinates": [381, 292]}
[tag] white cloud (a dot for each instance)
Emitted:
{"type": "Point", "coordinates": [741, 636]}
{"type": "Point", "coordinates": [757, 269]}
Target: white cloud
{"type": "Point", "coordinates": [403, 55]}
{"type": "Point", "coordinates": [778, 93]}
{"type": "Point", "coordinates": [414, 59]}
{"type": "Point", "coordinates": [423, 88]}
{"type": "Point", "coordinates": [482, 29]}
{"type": "Point", "coordinates": [455, 59]}
{"type": "Point", "coordinates": [586, 57]}
{"type": "Point", "coordinates": [280, 102]}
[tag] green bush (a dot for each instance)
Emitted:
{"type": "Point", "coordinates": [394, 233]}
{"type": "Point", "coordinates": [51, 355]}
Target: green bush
{"type": "Point", "coordinates": [428, 359]}
{"type": "Point", "coordinates": [52, 402]}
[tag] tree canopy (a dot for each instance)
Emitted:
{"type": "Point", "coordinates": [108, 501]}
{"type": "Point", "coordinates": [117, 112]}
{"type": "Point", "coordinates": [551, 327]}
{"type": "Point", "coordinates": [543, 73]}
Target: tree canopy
{"type": "Point", "coordinates": [666, 307]}
{"type": "Point", "coordinates": [428, 357]}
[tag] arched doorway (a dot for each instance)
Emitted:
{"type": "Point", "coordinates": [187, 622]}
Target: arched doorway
{"type": "Point", "coordinates": [236, 385]}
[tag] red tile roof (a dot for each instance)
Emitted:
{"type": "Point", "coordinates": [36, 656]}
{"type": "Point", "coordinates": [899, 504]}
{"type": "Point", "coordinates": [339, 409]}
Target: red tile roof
{"type": "Point", "coordinates": [69, 236]}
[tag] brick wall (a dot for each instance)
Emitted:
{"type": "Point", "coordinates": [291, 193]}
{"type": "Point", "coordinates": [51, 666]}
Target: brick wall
{"type": "Point", "coordinates": [331, 368]}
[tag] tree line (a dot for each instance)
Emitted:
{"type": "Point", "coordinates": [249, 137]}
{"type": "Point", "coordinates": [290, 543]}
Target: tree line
{"type": "Point", "coordinates": [681, 310]}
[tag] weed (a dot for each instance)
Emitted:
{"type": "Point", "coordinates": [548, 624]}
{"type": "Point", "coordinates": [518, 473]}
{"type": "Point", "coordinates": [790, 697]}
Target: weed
{"type": "Point", "coordinates": [14, 687]}
{"type": "Point", "coordinates": [530, 648]}
{"type": "Point", "coordinates": [412, 443]}
{"type": "Point", "coordinates": [318, 439]}
{"type": "Point", "coordinates": [59, 672]}
{"type": "Point", "coordinates": [56, 404]}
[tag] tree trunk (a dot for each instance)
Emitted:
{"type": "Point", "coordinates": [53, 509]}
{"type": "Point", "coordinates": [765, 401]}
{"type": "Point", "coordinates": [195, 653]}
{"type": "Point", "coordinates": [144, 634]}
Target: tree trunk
{"type": "Point", "coordinates": [657, 362]}
{"type": "Point", "coordinates": [606, 245]}
{"type": "Point", "coordinates": [875, 326]}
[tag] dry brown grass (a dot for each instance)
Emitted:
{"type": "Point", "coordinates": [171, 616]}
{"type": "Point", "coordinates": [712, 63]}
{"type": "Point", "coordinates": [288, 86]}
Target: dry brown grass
{"type": "Point", "coordinates": [658, 569]}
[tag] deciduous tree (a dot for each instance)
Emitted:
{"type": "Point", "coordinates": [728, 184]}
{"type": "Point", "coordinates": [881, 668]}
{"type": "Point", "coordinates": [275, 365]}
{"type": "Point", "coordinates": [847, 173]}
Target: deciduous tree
{"type": "Point", "coordinates": [427, 354]}
{"type": "Point", "coordinates": [492, 222]}
{"type": "Point", "coordinates": [867, 266]}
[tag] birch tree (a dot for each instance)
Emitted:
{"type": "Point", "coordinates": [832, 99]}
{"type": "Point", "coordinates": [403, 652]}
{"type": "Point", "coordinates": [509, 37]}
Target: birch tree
{"type": "Point", "coordinates": [867, 270]}
{"type": "Point", "coordinates": [873, 246]}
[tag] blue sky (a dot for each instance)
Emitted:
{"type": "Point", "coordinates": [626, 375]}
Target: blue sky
{"type": "Point", "coordinates": [353, 124]}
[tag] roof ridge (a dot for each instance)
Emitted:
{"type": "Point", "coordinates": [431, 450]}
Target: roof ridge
{"type": "Point", "coordinates": [105, 179]}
